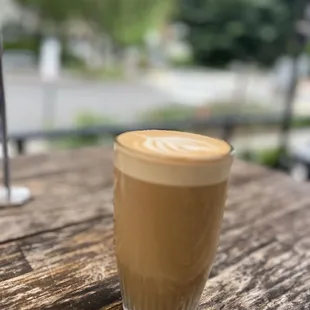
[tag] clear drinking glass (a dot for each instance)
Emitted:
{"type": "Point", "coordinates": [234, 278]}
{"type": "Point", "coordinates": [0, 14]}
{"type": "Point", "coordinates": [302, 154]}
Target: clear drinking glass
{"type": "Point", "coordinates": [169, 195]}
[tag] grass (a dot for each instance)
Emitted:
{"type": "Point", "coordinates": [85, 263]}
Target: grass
{"type": "Point", "coordinates": [78, 67]}
{"type": "Point", "coordinates": [181, 112]}
{"type": "Point", "coordinates": [183, 62]}
{"type": "Point", "coordinates": [168, 113]}
{"type": "Point", "coordinates": [227, 107]}
{"type": "Point", "coordinates": [103, 74]}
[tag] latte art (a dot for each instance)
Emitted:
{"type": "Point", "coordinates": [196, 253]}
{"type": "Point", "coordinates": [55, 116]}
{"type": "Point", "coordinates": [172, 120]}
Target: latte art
{"type": "Point", "coordinates": [173, 145]}
{"type": "Point", "coordinates": [170, 144]}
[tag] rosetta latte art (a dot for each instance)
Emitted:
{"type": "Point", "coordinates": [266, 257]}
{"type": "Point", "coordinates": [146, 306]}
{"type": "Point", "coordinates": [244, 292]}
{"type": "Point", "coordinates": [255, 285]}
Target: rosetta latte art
{"type": "Point", "coordinates": [177, 145]}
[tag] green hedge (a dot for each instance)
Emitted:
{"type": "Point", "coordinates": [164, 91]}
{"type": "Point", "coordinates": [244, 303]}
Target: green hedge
{"type": "Point", "coordinates": [270, 157]}
{"type": "Point", "coordinates": [85, 119]}
{"type": "Point", "coordinates": [27, 44]}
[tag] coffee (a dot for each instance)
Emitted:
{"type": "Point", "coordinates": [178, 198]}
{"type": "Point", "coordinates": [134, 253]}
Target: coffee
{"type": "Point", "coordinates": [170, 190]}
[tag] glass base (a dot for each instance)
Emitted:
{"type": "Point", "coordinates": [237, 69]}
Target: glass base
{"type": "Point", "coordinates": [125, 308]}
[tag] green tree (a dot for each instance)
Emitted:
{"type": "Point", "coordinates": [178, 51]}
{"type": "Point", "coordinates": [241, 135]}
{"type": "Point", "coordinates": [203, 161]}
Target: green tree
{"type": "Point", "coordinates": [52, 14]}
{"type": "Point", "coordinates": [126, 21]}
{"type": "Point", "coordinates": [224, 30]}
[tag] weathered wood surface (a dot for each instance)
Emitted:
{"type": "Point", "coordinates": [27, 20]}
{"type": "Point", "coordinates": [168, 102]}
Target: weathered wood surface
{"type": "Point", "coordinates": [57, 251]}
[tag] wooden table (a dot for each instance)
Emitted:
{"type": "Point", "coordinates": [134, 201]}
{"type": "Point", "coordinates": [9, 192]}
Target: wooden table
{"type": "Point", "coordinates": [56, 252]}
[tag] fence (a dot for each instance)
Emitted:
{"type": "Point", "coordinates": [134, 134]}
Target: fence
{"type": "Point", "coordinates": [227, 125]}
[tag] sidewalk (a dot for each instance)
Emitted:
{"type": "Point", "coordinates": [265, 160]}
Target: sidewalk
{"type": "Point", "coordinates": [200, 86]}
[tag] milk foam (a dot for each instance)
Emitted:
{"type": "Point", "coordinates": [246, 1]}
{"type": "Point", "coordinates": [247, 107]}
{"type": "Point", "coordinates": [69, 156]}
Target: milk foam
{"type": "Point", "coordinates": [173, 158]}
{"type": "Point", "coordinates": [176, 145]}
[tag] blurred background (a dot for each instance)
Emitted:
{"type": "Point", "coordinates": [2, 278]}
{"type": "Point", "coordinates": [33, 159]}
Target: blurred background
{"type": "Point", "coordinates": [78, 72]}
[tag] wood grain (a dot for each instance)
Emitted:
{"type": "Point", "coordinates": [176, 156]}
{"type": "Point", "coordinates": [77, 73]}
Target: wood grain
{"type": "Point", "coordinates": [70, 267]}
{"type": "Point", "coordinates": [57, 251]}
{"type": "Point", "coordinates": [71, 189]}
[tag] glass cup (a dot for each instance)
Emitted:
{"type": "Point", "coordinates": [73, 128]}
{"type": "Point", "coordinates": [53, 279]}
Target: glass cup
{"type": "Point", "coordinates": [169, 196]}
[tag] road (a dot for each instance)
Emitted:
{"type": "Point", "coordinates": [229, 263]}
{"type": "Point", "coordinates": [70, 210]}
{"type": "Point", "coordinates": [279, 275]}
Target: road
{"type": "Point", "coordinates": [28, 99]}
{"type": "Point", "coordinates": [121, 101]}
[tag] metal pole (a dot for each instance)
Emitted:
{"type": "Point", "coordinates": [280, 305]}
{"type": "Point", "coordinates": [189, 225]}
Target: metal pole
{"type": "Point", "coordinates": [295, 49]}
{"type": "Point", "coordinates": [6, 161]}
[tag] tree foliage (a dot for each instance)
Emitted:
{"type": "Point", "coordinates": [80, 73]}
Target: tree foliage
{"type": "Point", "coordinates": [125, 21]}
{"type": "Point", "coordinates": [54, 12]}
{"type": "Point", "coordinates": [223, 30]}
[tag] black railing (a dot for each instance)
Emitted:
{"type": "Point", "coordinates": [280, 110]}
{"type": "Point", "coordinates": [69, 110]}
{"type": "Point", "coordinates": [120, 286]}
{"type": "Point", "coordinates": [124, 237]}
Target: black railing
{"type": "Point", "coordinates": [227, 125]}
